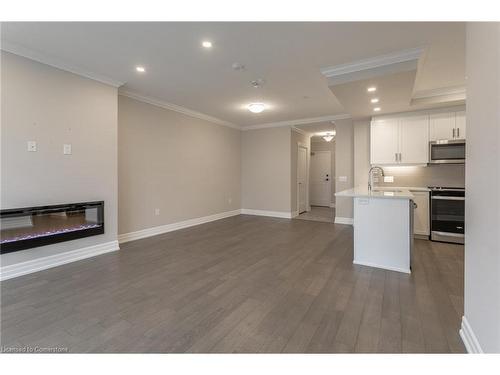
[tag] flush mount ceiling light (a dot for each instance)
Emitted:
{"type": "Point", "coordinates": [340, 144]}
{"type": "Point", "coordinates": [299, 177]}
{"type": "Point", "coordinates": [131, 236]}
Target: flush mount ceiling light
{"type": "Point", "coordinates": [256, 107]}
{"type": "Point", "coordinates": [374, 100]}
{"type": "Point", "coordinates": [328, 138]}
{"type": "Point", "coordinates": [376, 109]}
{"type": "Point", "coordinates": [371, 89]}
{"type": "Point", "coordinates": [206, 44]}
{"type": "Point", "coordinates": [140, 69]}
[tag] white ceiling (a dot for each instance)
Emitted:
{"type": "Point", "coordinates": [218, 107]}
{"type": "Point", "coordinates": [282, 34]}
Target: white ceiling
{"type": "Point", "coordinates": [289, 56]}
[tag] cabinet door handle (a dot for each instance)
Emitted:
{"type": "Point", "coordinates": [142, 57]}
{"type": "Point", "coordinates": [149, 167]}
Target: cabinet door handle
{"type": "Point", "coordinates": [400, 157]}
{"type": "Point", "coordinates": [458, 132]}
{"type": "Point", "coordinates": [396, 156]}
{"type": "Point", "coordinates": [453, 132]}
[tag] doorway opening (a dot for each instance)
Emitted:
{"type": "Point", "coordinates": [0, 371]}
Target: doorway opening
{"type": "Point", "coordinates": [321, 204]}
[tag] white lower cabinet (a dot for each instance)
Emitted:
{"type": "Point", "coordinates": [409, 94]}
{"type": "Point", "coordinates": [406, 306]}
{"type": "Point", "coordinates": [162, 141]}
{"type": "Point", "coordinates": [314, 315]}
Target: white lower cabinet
{"type": "Point", "coordinates": [421, 218]}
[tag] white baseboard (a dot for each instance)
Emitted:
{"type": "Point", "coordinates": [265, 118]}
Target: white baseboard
{"type": "Point", "coordinates": [280, 214]}
{"type": "Point", "coordinates": [295, 213]}
{"type": "Point", "coordinates": [469, 338]}
{"type": "Point", "coordinates": [403, 270]}
{"type": "Point", "coordinates": [35, 265]}
{"type": "Point", "coordinates": [132, 236]}
{"type": "Point", "coordinates": [344, 220]}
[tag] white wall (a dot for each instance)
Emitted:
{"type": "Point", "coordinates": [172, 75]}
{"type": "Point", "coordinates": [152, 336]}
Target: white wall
{"type": "Point", "coordinates": [344, 166]}
{"type": "Point", "coordinates": [53, 107]}
{"type": "Point", "coordinates": [296, 139]}
{"type": "Point", "coordinates": [266, 169]}
{"type": "Point", "coordinates": [482, 183]}
{"type": "Point", "coordinates": [186, 167]}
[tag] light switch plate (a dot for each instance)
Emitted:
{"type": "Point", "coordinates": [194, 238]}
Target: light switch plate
{"type": "Point", "coordinates": [157, 212]}
{"type": "Point", "coordinates": [67, 149]}
{"type": "Point", "coordinates": [31, 146]}
{"type": "Point", "coordinates": [388, 178]}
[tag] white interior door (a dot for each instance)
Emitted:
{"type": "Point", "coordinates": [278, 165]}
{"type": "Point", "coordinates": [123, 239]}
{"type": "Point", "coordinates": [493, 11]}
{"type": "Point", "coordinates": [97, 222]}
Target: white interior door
{"type": "Point", "coordinates": [302, 179]}
{"type": "Point", "coordinates": [321, 178]}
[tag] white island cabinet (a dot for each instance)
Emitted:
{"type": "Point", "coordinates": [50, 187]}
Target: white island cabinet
{"type": "Point", "coordinates": [383, 227]}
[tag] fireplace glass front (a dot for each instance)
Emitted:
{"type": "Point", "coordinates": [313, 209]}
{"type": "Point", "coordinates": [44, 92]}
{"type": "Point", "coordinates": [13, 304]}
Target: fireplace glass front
{"type": "Point", "coordinates": [24, 228]}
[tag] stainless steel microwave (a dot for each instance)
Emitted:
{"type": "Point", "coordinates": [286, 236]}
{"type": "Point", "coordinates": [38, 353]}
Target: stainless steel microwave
{"type": "Point", "coordinates": [447, 151]}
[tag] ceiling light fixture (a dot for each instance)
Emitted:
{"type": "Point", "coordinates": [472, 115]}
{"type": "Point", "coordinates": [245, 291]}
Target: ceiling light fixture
{"type": "Point", "coordinates": [140, 69]}
{"type": "Point", "coordinates": [371, 89]}
{"type": "Point", "coordinates": [328, 136]}
{"type": "Point", "coordinates": [256, 107]}
{"type": "Point", "coordinates": [376, 109]}
{"type": "Point", "coordinates": [374, 100]}
{"type": "Point", "coordinates": [206, 44]}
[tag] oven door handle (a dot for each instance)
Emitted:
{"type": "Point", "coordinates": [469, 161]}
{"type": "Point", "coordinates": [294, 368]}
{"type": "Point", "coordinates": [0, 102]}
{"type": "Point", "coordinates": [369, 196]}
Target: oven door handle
{"type": "Point", "coordinates": [440, 197]}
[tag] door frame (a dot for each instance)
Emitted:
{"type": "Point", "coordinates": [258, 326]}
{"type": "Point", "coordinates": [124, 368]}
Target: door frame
{"type": "Point", "coordinates": [331, 178]}
{"type": "Point", "coordinates": [308, 206]}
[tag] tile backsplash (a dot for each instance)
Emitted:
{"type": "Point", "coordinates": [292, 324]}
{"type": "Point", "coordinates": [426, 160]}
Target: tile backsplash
{"type": "Point", "coordinates": [452, 175]}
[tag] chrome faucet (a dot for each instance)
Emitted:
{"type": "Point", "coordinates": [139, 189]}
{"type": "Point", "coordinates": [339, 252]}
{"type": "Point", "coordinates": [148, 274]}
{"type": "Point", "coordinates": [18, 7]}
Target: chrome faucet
{"type": "Point", "coordinates": [370, 176]}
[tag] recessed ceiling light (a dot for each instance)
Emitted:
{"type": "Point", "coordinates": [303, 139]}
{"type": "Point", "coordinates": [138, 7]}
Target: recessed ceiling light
{"type": "Point", "coordinates": [376, 109]}
{"type": "Point", "coordinates": [256, 107]}
{"type": "Point", "coordinates": [374, 100]}
{"type": "Point", "coordinates": [140, 69]}
{"type": "Point", "coordinates": [206, 44]}
{"type": "Point", "coordinates": [371, 89]}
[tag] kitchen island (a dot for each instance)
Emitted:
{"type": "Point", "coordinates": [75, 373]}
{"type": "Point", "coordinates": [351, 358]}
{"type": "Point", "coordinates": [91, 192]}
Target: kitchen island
{"type": "Point", "coordinates": [383, 227]}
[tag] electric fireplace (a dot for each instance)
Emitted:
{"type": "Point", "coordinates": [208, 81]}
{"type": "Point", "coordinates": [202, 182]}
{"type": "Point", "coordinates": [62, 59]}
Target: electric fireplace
{"type": "Point", "coordinates": [25, 228]}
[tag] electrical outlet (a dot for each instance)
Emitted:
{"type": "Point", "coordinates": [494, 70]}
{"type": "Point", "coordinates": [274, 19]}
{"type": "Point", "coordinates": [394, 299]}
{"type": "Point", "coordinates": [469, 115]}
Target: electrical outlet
{"type": "Point", "coordinates": [32, 146]}
{"type": "Point", "coordinates": [157, 212]}
{"type": "Point", "coordinates": [388, 178]}
{"type": "Point", "coordinates": [229, 200]}
{"type": "Point", "coordinates": [343, 178]}
{"type": "Point", "coordinates": [67, 149]}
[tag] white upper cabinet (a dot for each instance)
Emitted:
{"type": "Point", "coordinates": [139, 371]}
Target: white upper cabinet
{"type": "Point", "coordinates": [448, 125]}
{"type": "Point", "coordinates": [414, 140]}
{"type": "Point", "coordinates": [442, 125]}
{"type": "Point", "coordinates": [384, 141]}
{"type": "Point", "coordinates": [460, 125]}
{"type": "Point", "coordinates": [403, 140]}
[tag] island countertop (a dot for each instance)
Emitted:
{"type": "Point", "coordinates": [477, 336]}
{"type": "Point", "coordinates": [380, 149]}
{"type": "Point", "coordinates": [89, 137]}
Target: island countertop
{"type": "Point", "coordinates": [378, 192]}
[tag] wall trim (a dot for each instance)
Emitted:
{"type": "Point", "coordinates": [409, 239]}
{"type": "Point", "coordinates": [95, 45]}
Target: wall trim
{"type": "Point", "coordinates": [469, 338]}
{"type": "Point", "coordinates": [149, 232]}
{"type": "Point", "coordinates": [344, 220]}
{"type": "Point", "coordinates": [295, 213]}
{"type": "Point", "coordinates": [176, 108]}
{"type": "Point", "coordinates": [442, 91]}
{"type": "Point", "coordinates": [302, 121]}
{"type": "Point", "coordinates": [369, 264]}
{"type": "Point", "coordinates": [57, 63]}
{"type": "Point", "coordinates": [35, 265]}
{"type": "Point", "coordinates": [373, 62]}
{"type": "Point", "coordinates": [280, 214]}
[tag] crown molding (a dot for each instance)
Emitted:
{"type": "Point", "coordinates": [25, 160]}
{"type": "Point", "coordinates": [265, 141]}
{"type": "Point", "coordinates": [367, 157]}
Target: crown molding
{"type": "Point", "coordinates": [56, 63]}
{"type": "Point", "coordinates": [373, 62]}
{"type": "Point", "coordinates": [442, 91]}
{"type": "Point", "coordinates": [176, 108]}
{"type": "Point", "coordinates": [300, 131]}
{"type": "Point", "coordinates": [302, 121]}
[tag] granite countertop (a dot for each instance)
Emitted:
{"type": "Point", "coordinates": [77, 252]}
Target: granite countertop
{"type": "Point", "coordinates": [378, 192]}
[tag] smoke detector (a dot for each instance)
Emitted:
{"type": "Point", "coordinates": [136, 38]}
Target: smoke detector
{"type": "Point", "coordinates": [238, 67]}
{"type": "Point", "coordinates": [258, 83]}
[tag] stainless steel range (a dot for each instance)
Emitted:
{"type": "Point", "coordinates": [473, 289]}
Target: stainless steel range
{"type": "Point", "coordinates": [447, 214]}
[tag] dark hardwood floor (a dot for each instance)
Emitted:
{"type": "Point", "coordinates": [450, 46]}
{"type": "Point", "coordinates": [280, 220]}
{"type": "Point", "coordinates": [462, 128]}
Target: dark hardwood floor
{"type": "Point", "coordinates": [242, 284]}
